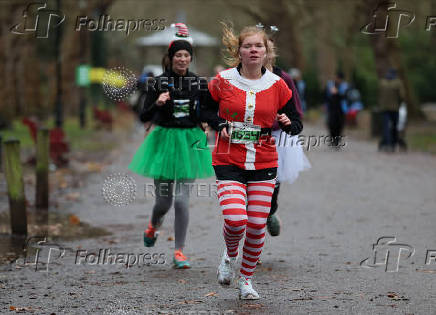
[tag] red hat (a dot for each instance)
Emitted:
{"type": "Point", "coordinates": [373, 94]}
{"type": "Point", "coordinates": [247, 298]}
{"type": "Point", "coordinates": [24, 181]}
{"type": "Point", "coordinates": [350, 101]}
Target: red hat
{"type": "Point", "coordinates": [182, 32]}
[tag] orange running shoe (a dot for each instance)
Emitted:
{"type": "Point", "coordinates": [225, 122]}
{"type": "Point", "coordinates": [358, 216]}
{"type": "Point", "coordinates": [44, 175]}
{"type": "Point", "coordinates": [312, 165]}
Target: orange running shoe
{"type": "Point", "coordinates": [180, 260]}
{"type": "Point", "coordinates": [150, 236]}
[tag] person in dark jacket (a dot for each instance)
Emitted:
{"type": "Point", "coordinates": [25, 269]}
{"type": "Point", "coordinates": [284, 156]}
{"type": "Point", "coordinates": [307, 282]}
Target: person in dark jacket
{"type": "Point", "coordinates": [169, 153]}
{"type": "Point", "coordinates": [336, 101]}
{"type": "Point", "coordinates": [391, 94]}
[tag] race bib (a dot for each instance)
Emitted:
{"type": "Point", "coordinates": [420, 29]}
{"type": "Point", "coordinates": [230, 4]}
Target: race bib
{"type": "Point", "coordinates": [181, 108]}
{"type": "Point", "coordinates": [241, 132]}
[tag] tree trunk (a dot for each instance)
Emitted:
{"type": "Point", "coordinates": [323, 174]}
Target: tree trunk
{"type": "Point", "coordinates": [10, 14]}
{"type": "Point", "coordinates": [387, 54]}
{"type": "Point", "coordinates": [326, 57]}
{"type": "Point", "coordinates": [433, 30]}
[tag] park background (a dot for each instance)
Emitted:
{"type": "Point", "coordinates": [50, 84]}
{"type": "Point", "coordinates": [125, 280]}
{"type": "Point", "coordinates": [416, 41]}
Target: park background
{"type": "Point", "coordinates": [333, 214]}
{"type": "Point", "coordinates": [318, 37]}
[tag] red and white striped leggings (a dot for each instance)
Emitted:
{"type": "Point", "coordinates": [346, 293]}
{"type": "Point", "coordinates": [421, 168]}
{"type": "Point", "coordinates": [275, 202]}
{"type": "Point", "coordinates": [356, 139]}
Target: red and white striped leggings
{"type": "Point", "coordinates": [245, 209]}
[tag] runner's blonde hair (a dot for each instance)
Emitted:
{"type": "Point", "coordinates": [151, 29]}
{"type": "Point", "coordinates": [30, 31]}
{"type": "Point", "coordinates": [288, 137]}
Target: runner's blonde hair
{"type": "Point", "coordinates": [271, 56]}
{"type": "Point", "coordinates": [232, 43]}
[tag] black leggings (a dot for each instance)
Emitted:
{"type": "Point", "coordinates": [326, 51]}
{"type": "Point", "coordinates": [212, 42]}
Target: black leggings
{"type": "Point", "coordinates": [275, 196]}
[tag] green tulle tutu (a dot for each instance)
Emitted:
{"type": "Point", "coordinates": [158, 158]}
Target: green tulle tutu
{"type": "Point", "coordinates": [173, 154]}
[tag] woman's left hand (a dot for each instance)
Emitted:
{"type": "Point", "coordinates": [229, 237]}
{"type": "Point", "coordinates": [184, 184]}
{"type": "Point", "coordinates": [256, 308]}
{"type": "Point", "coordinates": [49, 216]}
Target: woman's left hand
{"type": "Point", "coordinates": [283, 119]}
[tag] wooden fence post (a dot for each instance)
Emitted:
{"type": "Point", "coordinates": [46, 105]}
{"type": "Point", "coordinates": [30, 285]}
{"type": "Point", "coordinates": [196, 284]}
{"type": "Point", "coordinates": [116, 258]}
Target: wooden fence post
{"type": "Point", "coordinates": [42, 160]}
{"type": "Point", "coordinates": [14, 179]}
{"type": "Point", "coordinates": [1, 154]}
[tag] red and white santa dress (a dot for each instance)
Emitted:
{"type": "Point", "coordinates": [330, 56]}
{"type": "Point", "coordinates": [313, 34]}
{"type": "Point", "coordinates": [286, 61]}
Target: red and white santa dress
{"type": "Point", "coordinates": [246, 164]}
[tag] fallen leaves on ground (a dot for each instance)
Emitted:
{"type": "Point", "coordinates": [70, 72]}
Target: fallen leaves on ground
{"type": "Point", "coordinates": [307, 298]}
{"type": "Point", "coordinates": [55, 229]}
{"type": "Point", "coordinates": [114, 241]}
{"type": "Point", "coordinates": [74, 219]}
{"type": "Point", "coordinates": [253, 305]}
{"type": "Point", "coordinates": [170, 238]}
{"type": "Point", "coordinates": [73, 196]}
{"type": "Point", "coordinates": [63, 184]}
{"type": "Point", "coordinates": [396, 297]}
{"type": "Point", "coordinates": [21, 309]}
{"type": "Point", "coordinates": [326, 297]}
{"type": "Point", "coordinates": [191, 302]}
{"type": "Point", "coordinates": [212, 294]}
{"type": "Point", "coordinates": [426, 271]}
{"type": "Point", "coordinates": [94, 167]}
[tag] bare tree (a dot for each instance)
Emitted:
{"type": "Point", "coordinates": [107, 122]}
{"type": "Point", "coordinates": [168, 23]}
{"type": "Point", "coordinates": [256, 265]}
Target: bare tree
{"type": "Point", "coordinates": [388, 54]}
{"type": "Point", "coordinates": [70, 50]}
{"type": "Point", "coordinates": [433, 33]}
{"type": "Point", "coordinates": [9, 13]}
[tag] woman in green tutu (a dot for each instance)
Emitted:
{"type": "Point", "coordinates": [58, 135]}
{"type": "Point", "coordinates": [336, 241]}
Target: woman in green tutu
{"type": "Point", "coordinates": [174, 153]}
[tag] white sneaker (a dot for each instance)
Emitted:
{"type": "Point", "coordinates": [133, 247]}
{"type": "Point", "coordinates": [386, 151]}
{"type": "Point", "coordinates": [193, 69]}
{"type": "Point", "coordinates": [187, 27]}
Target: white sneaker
{"type": "Point", "coordinates": [225, 271]}
{"type": "Point", "coordinates": [246, 291]}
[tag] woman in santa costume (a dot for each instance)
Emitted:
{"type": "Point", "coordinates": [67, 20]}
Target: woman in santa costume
{"type": "Point", "coordinates": [242, 104]}
{"type": "Point", "coordinates": [167, 153]}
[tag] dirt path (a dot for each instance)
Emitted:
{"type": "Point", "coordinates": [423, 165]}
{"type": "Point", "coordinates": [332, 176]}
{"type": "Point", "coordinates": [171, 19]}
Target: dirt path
{"type": "Point", "coordinates": [331, 217]}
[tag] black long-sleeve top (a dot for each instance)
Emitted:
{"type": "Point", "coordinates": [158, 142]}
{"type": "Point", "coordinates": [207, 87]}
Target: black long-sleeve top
{"type": "Point", "coordinates": [182, 109]}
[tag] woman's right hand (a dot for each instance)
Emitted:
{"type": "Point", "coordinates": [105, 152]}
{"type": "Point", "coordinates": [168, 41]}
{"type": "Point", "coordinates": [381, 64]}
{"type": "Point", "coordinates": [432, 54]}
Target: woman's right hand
{"type": "Point", "coordinates": [163, 98]}
{"type": "Point", "coordinates": [224, 134]}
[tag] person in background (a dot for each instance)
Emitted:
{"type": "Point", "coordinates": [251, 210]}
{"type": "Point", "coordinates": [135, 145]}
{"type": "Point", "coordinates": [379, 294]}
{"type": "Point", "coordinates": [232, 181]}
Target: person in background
{"type": "Point", "coordinates": [402, 123]}
{"type": "Point", "coordinates": [295, 74]}
{"type": "Point", "coordinates": [292, 159]}
{"type": "Point", "coordinates": [336, 103]}
{"type": "Point", "coordinates": [167, 154]}
{"type": "Point", "coordinates": [141, 85]}
{"type": "Point", "coordinates": [391, 94]}
{"type": "Point", "coordinates": [354, 106]}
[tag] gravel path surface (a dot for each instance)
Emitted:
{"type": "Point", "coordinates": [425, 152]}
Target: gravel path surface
{"type": "Point", "coordinates": [331, 218]}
